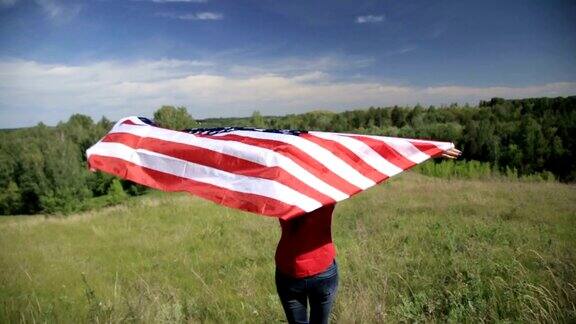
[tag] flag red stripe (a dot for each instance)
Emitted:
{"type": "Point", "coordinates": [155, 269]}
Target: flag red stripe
{"type": "Point", "coordinates": [385, 151]}
{"type": "Point", "coordinates": [217, 160]}
{"type": "Point", "coordinates": [298, 156]}
{"type": "Point", "coordinates": [427, 148]}
{"type": "Point", "coordinates": [347, 156]}
{"type": "Point", "coordinates": [168, 182]}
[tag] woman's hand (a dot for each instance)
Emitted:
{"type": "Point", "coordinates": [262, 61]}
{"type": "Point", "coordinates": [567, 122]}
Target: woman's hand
{"type": "Point", "coordinates": [452, 153]}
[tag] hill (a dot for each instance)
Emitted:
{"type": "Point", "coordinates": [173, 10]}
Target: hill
{"type": "Point", "coordinates": [413, 248]}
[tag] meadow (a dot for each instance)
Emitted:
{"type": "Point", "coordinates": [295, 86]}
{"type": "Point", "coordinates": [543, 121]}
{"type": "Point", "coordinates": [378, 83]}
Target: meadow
{"type": "Point", "coordinates": [415, 248]}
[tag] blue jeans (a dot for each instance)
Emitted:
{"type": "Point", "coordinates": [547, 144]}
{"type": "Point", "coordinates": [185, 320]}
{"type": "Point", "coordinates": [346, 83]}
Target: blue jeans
{"type": "Point", "coordinates": [319, 290]}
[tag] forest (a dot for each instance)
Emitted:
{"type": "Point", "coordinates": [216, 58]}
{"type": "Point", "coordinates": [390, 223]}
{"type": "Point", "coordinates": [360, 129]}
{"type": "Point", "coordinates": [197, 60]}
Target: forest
{"type": "Point", "coordinates": [43, 168]}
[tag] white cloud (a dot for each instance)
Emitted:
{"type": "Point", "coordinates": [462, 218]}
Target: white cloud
{"type": "Point", "coordinates": [296, 66]}
{"type": "Point", "coordinates": [193, 16]}
{"type": "Point", "coordinates": [369, 19]}
{"type": "Point", "coordinates": [401, 50]}
{"type": "Point", "coordinates": [31, 91]}
{"type": "Point", "coordinates": [57, 11]}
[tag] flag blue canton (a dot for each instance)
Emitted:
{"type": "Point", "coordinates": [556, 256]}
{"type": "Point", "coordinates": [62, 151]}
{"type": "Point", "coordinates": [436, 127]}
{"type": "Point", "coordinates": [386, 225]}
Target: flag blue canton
{"type": "Point", "coordinates": [220, 130]}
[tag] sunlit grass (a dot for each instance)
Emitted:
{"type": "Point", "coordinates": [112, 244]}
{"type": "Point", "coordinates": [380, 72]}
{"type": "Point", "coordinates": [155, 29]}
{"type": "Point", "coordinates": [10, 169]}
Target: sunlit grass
{"type": "Point", "coordinates": [413, 248]}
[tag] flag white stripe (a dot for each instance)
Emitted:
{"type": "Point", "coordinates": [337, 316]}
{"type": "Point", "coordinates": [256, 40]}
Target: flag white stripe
{"type": "Point", "coordinates": [441, 145]}
{"type": "Point", "coordinates": [365, 152]}
{"type": "Point", "coordinates": [317, 152]}
{"type": "Point", "coordinates": [204, 174]}
{"type": "Point", "coordinates": [256, 154]}
{"type": "Point", "coordinates": [402, 146]}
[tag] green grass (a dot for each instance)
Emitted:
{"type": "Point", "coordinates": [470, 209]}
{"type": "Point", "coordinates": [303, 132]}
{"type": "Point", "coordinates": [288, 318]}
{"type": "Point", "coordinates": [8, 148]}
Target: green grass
{"type": "Point", "coordinates": [415, 248]}
{"type": "Point", "coordinates": [451, 169]}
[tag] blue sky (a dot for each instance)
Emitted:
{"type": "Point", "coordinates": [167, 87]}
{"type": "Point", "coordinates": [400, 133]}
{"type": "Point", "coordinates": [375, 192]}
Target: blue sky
{"type": "Point", "coordinates": [229, 58]}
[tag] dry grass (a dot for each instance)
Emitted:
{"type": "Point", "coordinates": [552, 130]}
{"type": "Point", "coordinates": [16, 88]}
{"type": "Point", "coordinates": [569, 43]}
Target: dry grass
{"type": "Point", "coordinates": [412, 249]}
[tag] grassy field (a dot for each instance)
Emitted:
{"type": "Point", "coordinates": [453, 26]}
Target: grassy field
{"type": "Point", "coordinates": [413, 248]}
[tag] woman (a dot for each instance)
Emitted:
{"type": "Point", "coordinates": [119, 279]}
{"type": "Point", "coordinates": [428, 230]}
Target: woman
{"type": "Point", "coordinates": [306, 271]}
{"type": "Point", "coordinates": [305, 266]}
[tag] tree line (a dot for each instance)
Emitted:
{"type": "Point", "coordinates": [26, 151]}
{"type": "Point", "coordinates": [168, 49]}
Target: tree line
{"type": "Point", "coordinates": [43, 169]}
{"type": "Point", "coordinates": [523, 136]}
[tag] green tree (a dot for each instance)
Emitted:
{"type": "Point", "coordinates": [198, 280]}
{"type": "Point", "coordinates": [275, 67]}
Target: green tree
{"type": "Point", "coordinates": [10, 199]}
{"type": "Point", "coordinates": [257, 120]}
{"type": "Point", "coordinates": [176, 118]}
{"type": "Point", "coordinates": [398, 116]}
{"type": "Point", "coordinates": [115, 193]}
{"type": "Point", "coordinates": [534, 145]}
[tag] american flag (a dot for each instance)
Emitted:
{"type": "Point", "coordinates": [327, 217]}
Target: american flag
{"type": "Point", "coordinates": [269, 172]}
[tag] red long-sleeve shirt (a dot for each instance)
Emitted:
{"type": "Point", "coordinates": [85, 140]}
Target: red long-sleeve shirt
{"type": "Point", "coordinates": [306, 247]}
